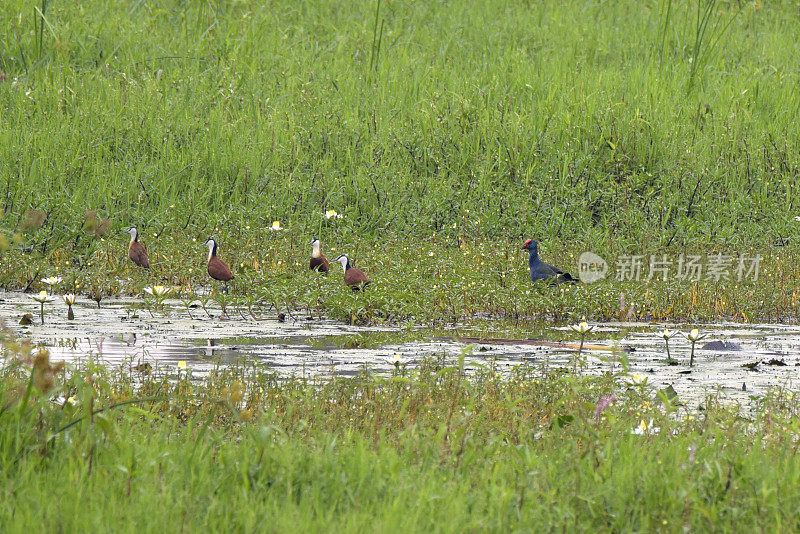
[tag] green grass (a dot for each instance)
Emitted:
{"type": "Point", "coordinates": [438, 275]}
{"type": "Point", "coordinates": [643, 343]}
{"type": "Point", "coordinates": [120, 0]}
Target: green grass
{"type": "Point", "coordinates": [425, 450]}
{"type": "Point", "coordinates": [448, 127]}
{"type": "Point", "coordinates": [445, 132]}
{"type": "Point", "coordinates": [589, 122]}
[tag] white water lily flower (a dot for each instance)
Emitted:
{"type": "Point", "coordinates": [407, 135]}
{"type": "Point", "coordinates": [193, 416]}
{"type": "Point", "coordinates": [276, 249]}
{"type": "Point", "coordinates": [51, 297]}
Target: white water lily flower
{"type": "Point", "coordinates": [69, 299]}
{"type": "Point", "coordinates": [581, 328]}
{"type": "Point", "coordinates": [667, 333]}
{"type": "Point", "coordinates": [396, 359]}
{"type": "Point", "coordinates": [52, 280]}
{"type": "Point", "coordinates": [158, 291]}
{"type": "Point", "coordinates": [42, 297]}
{"type": "Point", "coordinates": [636, 380]}
{"type": "Point", "coordinates": [694, 335]}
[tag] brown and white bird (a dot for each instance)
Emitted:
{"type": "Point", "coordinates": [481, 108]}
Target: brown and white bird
{"type": "Point", "coordinates": [136, 251]}
{"type": "Point", "coordinates": [355, 278]}
{"type": "Point", "coordinates": [318, 260]}
{"type": "Point", "coordinates": [217, 269]}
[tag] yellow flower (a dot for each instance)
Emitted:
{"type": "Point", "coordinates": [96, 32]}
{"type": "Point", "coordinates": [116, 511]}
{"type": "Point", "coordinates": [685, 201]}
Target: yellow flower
{"type": "Point", "coordinates": [276, 226]}
{"type": "Point", "coordinates": [182, 364]}
{"type": "Point", "coordinates": [641, 429]}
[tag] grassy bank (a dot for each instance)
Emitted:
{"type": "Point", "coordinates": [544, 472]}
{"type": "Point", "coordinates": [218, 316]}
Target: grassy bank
{"type": "Point", "coordinates": [423, 450]}
{"type": "Point", "coordinates": [590, 122]}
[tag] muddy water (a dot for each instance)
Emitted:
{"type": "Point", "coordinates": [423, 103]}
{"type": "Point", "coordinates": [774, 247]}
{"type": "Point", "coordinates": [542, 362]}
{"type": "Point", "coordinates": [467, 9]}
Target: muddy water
{"type": "Point", "coordinates": [124, 333]}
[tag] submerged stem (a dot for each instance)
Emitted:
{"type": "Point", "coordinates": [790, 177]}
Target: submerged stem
{"type": "Point", "coordinates": [577, 356]}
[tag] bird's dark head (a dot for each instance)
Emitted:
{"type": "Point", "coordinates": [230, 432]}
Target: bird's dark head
{"type": "Point", "coordinates": [530, 245]}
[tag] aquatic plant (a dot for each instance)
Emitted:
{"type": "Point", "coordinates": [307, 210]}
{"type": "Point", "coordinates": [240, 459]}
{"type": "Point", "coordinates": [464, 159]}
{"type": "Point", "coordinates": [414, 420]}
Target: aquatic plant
{"type": "Point", "coordinates": [666, 335]}
{"type": "Point", "coordinates": [69, 300]}
{"type": "Point", "coordinates": [581, 329]}
{"type": "Point", "coordinates": [42, 298]}
{"type": "Point", "coordinates": [159, 294]}
{"type": "Point", "coordinates": [96, 294]}
{"type": "Point", "coordinates": [52, 281]}
{"type": "Point", "coordinates": [399, 363]}
{"type": "Point", "coordinates": [694, 336]}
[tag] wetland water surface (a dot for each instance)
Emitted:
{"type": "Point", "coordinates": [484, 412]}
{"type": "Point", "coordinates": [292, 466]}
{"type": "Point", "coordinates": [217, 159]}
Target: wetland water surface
{"type": "Point", "coordinates": [123, 333]}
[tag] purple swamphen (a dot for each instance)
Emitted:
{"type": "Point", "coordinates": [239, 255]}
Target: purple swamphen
{"type": "Point", "coordinates": [543, 271]}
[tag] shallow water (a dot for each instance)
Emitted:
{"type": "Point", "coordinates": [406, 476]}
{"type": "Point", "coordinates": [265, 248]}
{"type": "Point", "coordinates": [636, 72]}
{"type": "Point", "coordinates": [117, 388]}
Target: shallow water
{"type": "Point", "coordinates": [122, 334]}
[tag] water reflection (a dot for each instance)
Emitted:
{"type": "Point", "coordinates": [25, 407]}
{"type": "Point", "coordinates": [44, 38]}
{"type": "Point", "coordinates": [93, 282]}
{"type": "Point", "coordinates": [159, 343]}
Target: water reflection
{"type": "Point", "coordinates": [116, 337]}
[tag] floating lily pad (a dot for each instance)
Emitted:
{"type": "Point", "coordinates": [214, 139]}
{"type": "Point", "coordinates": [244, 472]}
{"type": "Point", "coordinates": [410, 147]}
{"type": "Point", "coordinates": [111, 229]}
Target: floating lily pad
{"type": "Point", "coordinates": [728, 346]}
{"type": "Point", "coordinates": [669, 394]}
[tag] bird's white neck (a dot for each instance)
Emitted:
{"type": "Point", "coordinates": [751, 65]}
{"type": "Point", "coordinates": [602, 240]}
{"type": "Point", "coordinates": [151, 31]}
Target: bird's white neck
{"type": "Point", "coordinates": [210, 249]}
{"type": "Point", "coordinates": [134, 235]}
{"type": "Point", "coordinates": [343, 261]}
{"type": "Point", "coordinates": [316, 253]}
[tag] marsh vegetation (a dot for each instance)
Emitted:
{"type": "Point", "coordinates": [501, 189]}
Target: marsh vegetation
{"type": "Point", "coordinates": [427, 141]}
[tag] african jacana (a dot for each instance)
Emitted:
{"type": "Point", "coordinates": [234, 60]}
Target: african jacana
{"type": "Point", "coordinates": [543, 271]}
{"type": "Point", "coordinates": [217, 269]}
{"type": "Point", "coordinates": [355, 278]}
{"type": "Point", "coordinates": [136, 251]}
{"type": "Point", "coordinates": [318, 260]}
